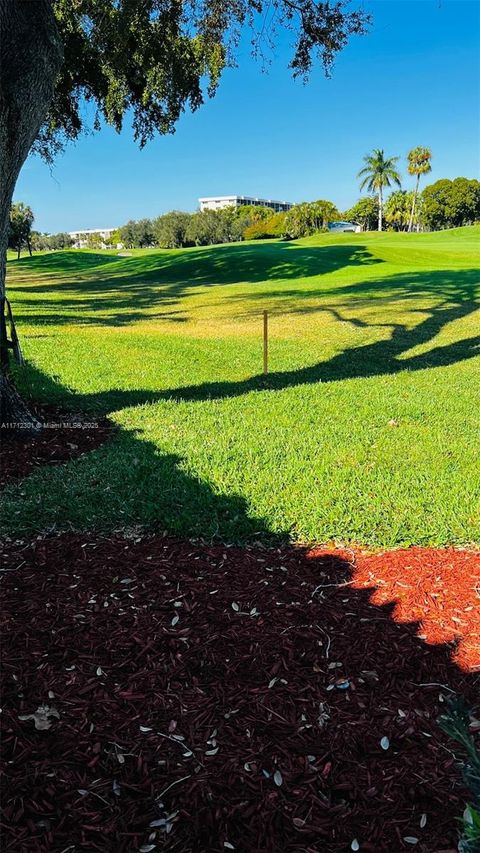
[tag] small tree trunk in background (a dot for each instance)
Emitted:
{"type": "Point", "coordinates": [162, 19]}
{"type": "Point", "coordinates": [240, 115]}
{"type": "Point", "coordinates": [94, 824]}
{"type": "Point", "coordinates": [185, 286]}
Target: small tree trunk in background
{"type": "Point", "coordinates": [30, 58]}
{"type": "Point", "coordinates": [380, 209]}
{"type": "Point", "coordinates": [414, 204]}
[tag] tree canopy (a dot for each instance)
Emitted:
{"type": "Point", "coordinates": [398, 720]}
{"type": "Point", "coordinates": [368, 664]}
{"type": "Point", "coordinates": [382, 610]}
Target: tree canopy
{"type": "Point", "coordinates": [398, 210]}
{"type": "Point", "coordinates": [308, 217]}
{"type": "Point", "coordinates": [364, 213]}
{"type": "Point", "coordinates": [450, 204]}
{"type": "Point", "coordinates": [154, 58]}
{"type": "Point", "coordinates": [20, 227]}
{"type": "Point", "coordinates": [379, 173]}
{"type": "Point", "coordinates": [419, 163]}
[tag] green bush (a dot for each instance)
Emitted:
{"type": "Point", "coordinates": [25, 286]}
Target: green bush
{"type": "Point", "coordinates": [310, 217]}
{"type": "Point", "coordinates": [267, 228]}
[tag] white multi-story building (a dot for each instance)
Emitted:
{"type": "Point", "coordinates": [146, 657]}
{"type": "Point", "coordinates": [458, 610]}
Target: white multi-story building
{"type": "Point", "coordinates": [217, 202]}
{"type": "Point", "coordinates": [80, 238]}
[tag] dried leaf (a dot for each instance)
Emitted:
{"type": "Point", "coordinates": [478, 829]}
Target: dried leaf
{"type": "Point", "coordinates": [278, 778]}
{"type": "Point", "coordinates": [385, 743]}
{"type": "Point", "coordinates": [41, 717]}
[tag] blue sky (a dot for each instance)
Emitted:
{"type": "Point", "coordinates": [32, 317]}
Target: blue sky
{"type": "Point", "coordinates": [414, 80]}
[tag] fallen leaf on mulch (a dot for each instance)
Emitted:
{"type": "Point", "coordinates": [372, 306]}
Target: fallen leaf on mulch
{"type": "Point", "coordinates": [41, 717]}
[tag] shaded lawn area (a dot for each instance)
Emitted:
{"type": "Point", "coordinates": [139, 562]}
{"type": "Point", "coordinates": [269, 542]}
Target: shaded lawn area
{"type": "Point", "coordinates": [366, 429]}
{"type": "Point", "coordinates": [213, 697]}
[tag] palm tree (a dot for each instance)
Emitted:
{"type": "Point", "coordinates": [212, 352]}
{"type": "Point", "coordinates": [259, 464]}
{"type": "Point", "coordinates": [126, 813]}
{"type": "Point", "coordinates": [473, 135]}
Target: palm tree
{"type": "Point", "coordinates": [397, 209]}
{"type": "Point", "coordinates": [379, 172]}
{"type": "Point", "coordinates": [418, 164]}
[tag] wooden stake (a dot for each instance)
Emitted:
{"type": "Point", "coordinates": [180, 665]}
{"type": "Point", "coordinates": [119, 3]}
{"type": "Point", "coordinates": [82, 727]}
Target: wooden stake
{"type": "Point", "coordinates": [265, 342]}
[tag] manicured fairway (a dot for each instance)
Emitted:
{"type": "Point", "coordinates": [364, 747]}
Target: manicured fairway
{"type": "Point", "coordinates": [366, 430]}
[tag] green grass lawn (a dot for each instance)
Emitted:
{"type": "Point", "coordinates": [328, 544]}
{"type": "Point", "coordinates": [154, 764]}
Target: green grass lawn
{"type": "Point", "coordinates": [365, 329]}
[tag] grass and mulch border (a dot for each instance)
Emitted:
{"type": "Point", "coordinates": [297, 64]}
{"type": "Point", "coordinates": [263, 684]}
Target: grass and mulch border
{"type": "Point", "coordinates": [64, 435]}
{"type": "Point", "coordinates": [161, 694]}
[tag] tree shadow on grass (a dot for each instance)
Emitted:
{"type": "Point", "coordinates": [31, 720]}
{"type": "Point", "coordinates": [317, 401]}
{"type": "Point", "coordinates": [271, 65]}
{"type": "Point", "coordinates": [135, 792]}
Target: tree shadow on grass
{"type": "Point", "coordinates": [159, 280]}
{"type": "Point", "coordinates": [456, 294]}
{"type": "Point", "coordinates": [125, 482]}
{"type": "Point", "coordinates": [458, 298]}
{"type": "Point", "coordinates": [70, 261]}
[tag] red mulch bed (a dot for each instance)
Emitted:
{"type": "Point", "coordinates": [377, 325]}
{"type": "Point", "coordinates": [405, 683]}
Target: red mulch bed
{"type": "Point", "coordinates": [214, 698]}
{"type": "Point", "coordinates": [65, 435]}
{"type": "Point", "coordinates": [440, 588]}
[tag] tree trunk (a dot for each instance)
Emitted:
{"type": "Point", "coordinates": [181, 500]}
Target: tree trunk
{"type": "Point", "coordinates": [414, 204]}
{"type": "Point", "coordinates": [30, 58]}
{"type": "Point", "coordinates": [15, 416]}
{"type": "Point", "coordinates": [380, 210]}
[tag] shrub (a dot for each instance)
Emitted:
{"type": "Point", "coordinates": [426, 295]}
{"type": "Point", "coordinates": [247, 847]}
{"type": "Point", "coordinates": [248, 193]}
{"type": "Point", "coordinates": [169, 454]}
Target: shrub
{"type": "Point", "coordinates": [266, 228]}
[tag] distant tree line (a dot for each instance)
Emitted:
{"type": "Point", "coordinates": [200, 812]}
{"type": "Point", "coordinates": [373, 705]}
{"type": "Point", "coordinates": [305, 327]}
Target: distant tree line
{"type": "Point", "coordinates": [450, 204]}
{"type": "Point", "coordinates": [22, 236]}
{"type": "Point", "coordinates": [177, 229]}
{"type": "Point", "coordinates": [45, 242]}
{"type": "Point", "coordinates": [444, 204]}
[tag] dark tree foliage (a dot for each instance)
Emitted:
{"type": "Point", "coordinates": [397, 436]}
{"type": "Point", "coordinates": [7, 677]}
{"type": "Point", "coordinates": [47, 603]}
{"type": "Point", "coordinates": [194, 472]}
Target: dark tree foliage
{"type": "Point", "coordinates": [364, 213]}
{"type": "Point", "coordinates": [157, 57]}
{"type": "Point", "coordinates": [170, 229]}
{"type": "Point", "coordinates": [49, 242]}
{"type": "Point", "coordinates": [20, 227]}
{"type": "Point", "coordinates": [450, 204]}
